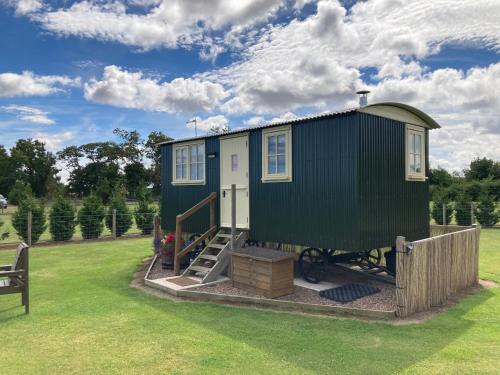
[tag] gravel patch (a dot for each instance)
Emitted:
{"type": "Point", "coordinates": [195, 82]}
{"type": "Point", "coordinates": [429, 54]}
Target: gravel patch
{"type": "Point", "coordinates": [385, 300]}
{"type": "Point", "coordinates": [158, 273]}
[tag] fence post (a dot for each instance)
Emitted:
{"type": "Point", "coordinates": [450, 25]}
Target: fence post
{"type": "Point", "coordinates": [472, 217]}
{"type": "Point", "coordinates": [444, 213]}
{"type": "Point", "coordinates": [114, 224]}
{"type": "Point", "coordinates": [30, 222]}
{"type": "Point", "coordinates": [177, 250]}
{"type": "Point", "coordinates": [233, 215]}
{"type": "Point", "coordinates": [401, 273]}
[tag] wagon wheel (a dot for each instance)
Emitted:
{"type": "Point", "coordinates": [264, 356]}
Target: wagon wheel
{"type": "Point", "coordinates": [254, 243]}
{"type": "Point", "coordinates": [312, 265]}
{"type": "Point", "coordinates": [370, 259]}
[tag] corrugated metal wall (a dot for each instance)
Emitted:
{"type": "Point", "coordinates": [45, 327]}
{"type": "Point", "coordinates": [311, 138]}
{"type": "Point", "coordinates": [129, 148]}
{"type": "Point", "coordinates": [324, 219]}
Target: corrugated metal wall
{"type": "Point", "coordinates": [389, 205]}
{"type": "Point", "coordinates": [177, 199]}
{"type": "Point", "coordinates": [319, 207]}
{"type": "Point", "coordinates": [348, 190]}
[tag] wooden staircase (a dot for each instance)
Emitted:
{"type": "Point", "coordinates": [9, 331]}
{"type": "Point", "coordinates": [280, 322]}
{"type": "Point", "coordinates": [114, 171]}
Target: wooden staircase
{"type": "Point", "coordinates": [214, 258]}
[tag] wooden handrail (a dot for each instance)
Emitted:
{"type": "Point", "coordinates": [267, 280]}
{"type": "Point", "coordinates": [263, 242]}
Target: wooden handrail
{"type": "Point", "coordinates": [196, 207]}
{"type": "Point", "coordinates": [178, 229]}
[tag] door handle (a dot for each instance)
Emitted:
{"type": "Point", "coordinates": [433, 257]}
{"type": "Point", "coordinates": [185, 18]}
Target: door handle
{"type": "Point", "coordinates": [223, 194]}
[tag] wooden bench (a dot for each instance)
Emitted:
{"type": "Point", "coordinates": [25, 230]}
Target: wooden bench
{"type": "Point", "coordinates": [14, 277]}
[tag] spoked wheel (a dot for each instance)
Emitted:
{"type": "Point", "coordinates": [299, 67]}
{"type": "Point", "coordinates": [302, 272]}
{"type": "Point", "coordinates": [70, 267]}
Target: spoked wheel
{"type": "Point", "coordinates": [312, 265]}
{"type": "Point", "coordinates": [370, 259]}
{"type": "Point", "coordinates": [254, 243]}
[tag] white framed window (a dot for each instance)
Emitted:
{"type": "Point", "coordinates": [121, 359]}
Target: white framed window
{"type": "Point", "coordinates": [415, 153]}
{"type": "Point", "coordinates": [277, 154]}
{"type": "Point", "coordinates": [188, 163]}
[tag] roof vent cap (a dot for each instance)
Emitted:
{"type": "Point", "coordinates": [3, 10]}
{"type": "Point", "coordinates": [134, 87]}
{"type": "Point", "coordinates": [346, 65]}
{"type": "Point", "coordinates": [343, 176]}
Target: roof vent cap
{"type": "Point", "coordinates": [363, 98]}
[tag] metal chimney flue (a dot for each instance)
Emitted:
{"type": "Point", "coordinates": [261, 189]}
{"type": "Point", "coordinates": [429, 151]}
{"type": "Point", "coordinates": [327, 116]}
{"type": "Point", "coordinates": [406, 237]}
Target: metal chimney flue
{"type": "Point", "coordinates": [363, 98]}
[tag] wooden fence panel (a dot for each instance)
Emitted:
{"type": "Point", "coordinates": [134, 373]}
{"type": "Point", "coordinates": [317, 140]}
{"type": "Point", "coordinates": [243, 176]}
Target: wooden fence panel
{"type": "Point", "coordinates": [428, 271]}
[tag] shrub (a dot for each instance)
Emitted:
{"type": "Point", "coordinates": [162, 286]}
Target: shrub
{"type": "Point", "coordinates": [3, 235]}
{"type": "Point", "coordinates": [123, 216]}
{"type": "Point", "coordinates": [463, 210]}
{"type": "Point", "coordinates": [62, 220]}
{"type": "Point", "coordinates": [38, 219]}
{"type": "Point", "coordinates": [90, 217]}
{"type": "Point", "coordinates": [493, 188]}
{"type": "Point", "coordinates": [486, 214]}
{"type": "Point", "coordinates": [19, 192]}
{"type": "Point", "coordinates": [474, 189]}
{"type": "Point", "coordinates": [144, 214]}
{"type": "Point", "coordinates": [437, 210]}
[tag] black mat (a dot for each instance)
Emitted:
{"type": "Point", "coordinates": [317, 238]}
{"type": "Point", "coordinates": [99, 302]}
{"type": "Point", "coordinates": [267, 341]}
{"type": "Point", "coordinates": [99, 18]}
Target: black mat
{"type": "Point", "coordinates": [348, 292]}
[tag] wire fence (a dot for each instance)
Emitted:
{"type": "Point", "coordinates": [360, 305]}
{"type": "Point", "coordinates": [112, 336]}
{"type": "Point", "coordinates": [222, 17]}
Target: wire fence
{"type": "Point", "coordinates": [464, 214]}
{"type": "Point", "coordinates": [38, 227]}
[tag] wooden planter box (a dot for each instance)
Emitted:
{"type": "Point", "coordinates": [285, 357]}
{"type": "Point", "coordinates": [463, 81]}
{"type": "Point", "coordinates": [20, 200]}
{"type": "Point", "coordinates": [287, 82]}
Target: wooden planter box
{"type": "Point", "coordinates": [262, 271]}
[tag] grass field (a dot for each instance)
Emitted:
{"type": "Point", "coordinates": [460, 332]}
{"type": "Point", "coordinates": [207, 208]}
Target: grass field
{"type": "Point", "coordinates": [87, 320]}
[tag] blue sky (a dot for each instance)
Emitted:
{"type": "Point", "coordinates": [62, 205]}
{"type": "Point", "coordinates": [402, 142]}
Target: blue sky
{"type": "Point", "coordinates": [90, 67]}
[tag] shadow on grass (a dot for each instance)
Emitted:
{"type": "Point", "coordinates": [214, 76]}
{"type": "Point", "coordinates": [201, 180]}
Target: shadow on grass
{"type": "Point", "coordinates": [329, 345]}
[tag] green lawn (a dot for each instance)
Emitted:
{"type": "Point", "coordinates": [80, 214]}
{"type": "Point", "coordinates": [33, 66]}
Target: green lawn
{"type": "Point", "coordinates": [86, 319]}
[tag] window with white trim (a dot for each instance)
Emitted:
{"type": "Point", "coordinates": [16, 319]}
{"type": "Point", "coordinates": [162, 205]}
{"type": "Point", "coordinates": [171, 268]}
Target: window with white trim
{"type": "Point", "coordinates": [415, 153]}
{"type": "Point", "coordinates": [277, 154]}
{"type": "Point", "coordinates": [188, 161]}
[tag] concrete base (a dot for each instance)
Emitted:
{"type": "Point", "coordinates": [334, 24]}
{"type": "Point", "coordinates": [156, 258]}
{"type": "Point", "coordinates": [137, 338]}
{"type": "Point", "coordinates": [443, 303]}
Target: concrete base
{"type": "Point", "coordinates": [323, 285]}
{"type": "Point", "coordinates": [166, 285]}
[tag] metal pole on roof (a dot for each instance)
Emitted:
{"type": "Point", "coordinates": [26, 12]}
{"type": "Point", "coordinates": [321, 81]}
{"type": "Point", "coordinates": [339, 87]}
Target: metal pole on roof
{"type": "Point", "coordinates": [193, 121]}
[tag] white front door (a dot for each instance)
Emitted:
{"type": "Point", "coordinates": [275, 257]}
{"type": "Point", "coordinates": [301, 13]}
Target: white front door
{"type": "Point", "coordinates": [234, 170]}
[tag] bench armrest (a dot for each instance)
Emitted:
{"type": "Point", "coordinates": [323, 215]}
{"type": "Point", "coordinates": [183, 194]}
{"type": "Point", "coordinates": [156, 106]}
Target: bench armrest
{"type": "Point", "coordinates": [11, 273]}
{"type": "Point", "coordinates": [5, 267]}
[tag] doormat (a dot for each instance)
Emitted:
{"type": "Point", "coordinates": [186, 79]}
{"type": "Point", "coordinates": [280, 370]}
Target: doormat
{"type": "Point", "coordinates": [348, 292]}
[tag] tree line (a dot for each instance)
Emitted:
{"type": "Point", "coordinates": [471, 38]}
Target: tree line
{"type": "Point", "coordinates": [478, 190]}
{"type": "Point", "coordinates": [101, 168]}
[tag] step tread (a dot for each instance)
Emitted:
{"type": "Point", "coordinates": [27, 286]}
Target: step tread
{"type": "Point", "coordinates": [209, 257]}
{"type": "Point", "coordinates": [216, 245]}
{"type": "Point", "coordinates": [200, 269]}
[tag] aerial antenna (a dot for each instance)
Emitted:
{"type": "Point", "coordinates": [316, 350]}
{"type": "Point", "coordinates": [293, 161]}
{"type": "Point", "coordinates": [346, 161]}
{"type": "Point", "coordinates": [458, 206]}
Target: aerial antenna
{"type": "Point", "coordinates": [193, 121]}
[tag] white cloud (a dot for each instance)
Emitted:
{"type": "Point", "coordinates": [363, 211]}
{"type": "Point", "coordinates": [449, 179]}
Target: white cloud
{"type": "Point", "coordinates": [29, 84]}
{"type": "Point", "coordinates": [24, 7]}
{"type": "Point", "coordinates": [317, 61]}
{"type": "Point", "coordinates": [219, 122]}
{"type": "Point", "coordinates": [255, 121]}
{"type": "Point", "coordinates": [168, 23]}
{"type": "Point", "coordinates": [133, 90]}
{"type": "Point", "coordinates": [451, 96]}
{"type": "Point", "coordinates": [53, 142]}
{"type": "Point", "coordinates": [29, 114]}
{"type": "Point", "coordinates": [288, 116]}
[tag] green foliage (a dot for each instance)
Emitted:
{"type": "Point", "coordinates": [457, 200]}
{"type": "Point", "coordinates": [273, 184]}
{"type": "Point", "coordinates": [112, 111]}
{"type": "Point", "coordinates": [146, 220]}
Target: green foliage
{"type": "Point", "coordinates": [144, 213]}
{"type": "Point", "coordinates": [473, 189]}
{"type": "Point", "coordinates": [486, 211]}
{"type": "Point", "coordinates": [20, 191]}
{"type": "Point", "coordinates": [437, 209]}
{"type": "Point", "coordinates": [135, 177]}
{"type": "Point", "coordinates": [33, 165]}
{"type": "Point", "coordinates": [90, 217]}
{"type": "Point", "coordinates": [3, 235]}
{"type": "Point", "coordinates": [153, 153]}
{"type": "Point", "coordinates": [20, 219]}
{"type": "Point", "coordinates": [481, 169]}
{"type": "Point", "coordinates": [440, 177]}
{"type": "Point", "coordinates": [62, 220]}
{"type": "Point", "coordinates": [123, 216]}
{"type": "Point", "coordinates": [7, 178]}
{"type": "Point", "coordinates": [463, 210]}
